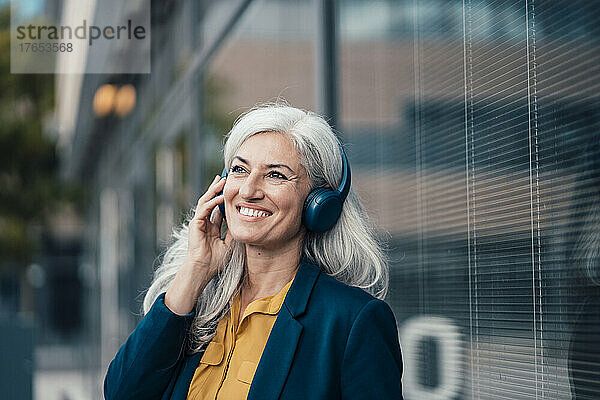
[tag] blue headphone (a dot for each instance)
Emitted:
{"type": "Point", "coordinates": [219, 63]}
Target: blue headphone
{"type": "Point", "coordinates": [323, 206]}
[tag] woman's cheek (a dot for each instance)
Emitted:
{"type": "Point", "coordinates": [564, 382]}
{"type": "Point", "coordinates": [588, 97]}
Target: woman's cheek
{"type": "Point", "coordinates": [229, 190]}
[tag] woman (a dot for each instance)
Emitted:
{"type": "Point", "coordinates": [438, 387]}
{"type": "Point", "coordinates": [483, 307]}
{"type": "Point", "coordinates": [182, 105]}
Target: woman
{"type": "Point", "coordinates": [282, 307]}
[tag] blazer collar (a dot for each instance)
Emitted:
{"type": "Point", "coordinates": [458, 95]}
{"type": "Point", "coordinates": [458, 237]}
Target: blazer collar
{"type": "Point", "coordinates": [299, 293]}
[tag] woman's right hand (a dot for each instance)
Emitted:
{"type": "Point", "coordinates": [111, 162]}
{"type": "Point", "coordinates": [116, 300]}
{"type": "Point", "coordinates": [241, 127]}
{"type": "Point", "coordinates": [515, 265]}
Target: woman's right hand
{"type": "Point", "coordinates": [205, 253]}
{"type": "Point", "coordinates": [206, 249]}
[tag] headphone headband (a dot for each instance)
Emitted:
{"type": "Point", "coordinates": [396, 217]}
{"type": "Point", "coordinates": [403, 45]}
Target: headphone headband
{"type": "Point", "coordinates": [344, 188]}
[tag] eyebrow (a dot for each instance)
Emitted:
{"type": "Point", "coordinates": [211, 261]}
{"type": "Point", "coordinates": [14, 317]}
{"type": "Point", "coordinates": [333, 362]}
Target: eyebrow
{"type": "Point", "coordinates": [268, 166]}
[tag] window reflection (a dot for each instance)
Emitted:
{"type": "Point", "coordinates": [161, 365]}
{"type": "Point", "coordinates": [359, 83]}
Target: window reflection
{"type": "Point", "coordinates": [472, 128]}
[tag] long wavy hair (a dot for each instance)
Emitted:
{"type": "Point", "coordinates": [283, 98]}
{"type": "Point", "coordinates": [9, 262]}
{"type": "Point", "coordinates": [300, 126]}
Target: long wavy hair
{"type": "Point", "coordinates": [349, 252]}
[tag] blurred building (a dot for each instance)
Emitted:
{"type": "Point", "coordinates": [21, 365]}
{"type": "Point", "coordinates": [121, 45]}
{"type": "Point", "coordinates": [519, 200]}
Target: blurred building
{"type": "Point", "coordinates": [472, 129]}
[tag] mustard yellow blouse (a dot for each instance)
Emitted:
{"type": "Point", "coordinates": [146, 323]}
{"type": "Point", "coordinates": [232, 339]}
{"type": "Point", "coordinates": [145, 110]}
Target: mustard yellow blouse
{"type": "Point", "coordinates": [230, 360]}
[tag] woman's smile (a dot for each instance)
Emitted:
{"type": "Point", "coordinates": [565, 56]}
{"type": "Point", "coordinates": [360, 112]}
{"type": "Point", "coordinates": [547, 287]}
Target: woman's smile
{"type": "Point", "coordinates": [253, 213]}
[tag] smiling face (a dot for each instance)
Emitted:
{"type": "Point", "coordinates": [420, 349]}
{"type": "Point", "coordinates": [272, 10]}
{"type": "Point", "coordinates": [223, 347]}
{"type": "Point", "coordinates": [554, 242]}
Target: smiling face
{"type": "Point", "coordinates": [265, 192]}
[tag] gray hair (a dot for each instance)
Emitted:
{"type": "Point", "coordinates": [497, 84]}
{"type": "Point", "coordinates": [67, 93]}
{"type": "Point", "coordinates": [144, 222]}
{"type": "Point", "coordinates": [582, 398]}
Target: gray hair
{"type": "Point", "coordinates": [349, 251]}
{"type": "Point", "coordinates": [587, 247]}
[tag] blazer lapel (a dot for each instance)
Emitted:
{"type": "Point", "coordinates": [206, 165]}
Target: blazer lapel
{"type": "Point", "coordinates": [278, 355]}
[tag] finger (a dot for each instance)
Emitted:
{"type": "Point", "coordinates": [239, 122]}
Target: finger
{"type": "Point", "coordinates": [210, 193]}
{"type": "Point", "coordinates": [216, 217]}
{"type": "Point", "coordinates": [210, 186]}
{"type": "Point", "coordinates": [214, 227]}
{"type": "Point", "coordinates": [203, 210]}
{"type": "Point", "coordinates": [212, 190]}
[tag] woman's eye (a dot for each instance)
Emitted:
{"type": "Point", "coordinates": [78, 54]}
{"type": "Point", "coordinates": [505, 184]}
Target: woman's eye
{"type": "Point", "coordinates": [276, 175]}
{"type": "Point", "coordinates": [237, 169]}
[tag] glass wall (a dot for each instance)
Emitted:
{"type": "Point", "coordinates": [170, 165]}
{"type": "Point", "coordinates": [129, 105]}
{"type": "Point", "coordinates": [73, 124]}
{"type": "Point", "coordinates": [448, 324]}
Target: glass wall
{"type": "Point", "coordinates": [473, 130]}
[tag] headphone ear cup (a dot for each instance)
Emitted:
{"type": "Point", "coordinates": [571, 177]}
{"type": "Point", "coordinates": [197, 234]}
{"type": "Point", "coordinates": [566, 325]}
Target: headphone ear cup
{"type": "Point", "coordinates": [322, 209]}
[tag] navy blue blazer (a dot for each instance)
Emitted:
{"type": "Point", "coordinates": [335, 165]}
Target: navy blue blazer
{"type": "Point", "coordinates": [329, 341]}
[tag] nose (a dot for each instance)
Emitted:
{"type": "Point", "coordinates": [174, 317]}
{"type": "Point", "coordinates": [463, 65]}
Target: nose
{"type": "Point", "coordinates": [251, 188]}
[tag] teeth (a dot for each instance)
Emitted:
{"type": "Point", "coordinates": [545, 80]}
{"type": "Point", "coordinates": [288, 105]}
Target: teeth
{"type": "Point", "coordinates": [253, 213]}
